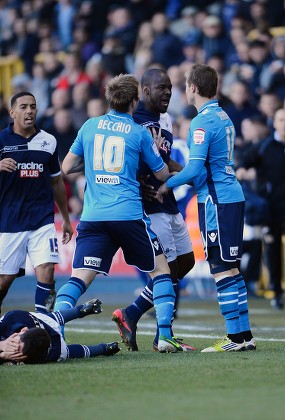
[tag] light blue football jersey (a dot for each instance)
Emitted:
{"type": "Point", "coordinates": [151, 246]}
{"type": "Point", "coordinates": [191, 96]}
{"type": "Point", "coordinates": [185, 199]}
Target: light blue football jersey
{"type": "Point", "coordinates": [211, 164]}
{"type": "Point", "coordinates": [112, 146]}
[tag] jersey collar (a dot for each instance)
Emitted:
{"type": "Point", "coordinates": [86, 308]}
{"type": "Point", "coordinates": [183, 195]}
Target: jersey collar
{"type": "Point", "coordinates": [10, 131]}
{"type": "Point", "coordinates": [120, 114]}
{"type": "Point", "coordinates": [212, 103]}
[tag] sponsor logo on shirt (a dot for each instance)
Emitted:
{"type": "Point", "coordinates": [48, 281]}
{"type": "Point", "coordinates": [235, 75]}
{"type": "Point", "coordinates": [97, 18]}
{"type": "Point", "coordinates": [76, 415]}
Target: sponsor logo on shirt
{"type": "Point", "coordinates": [234, 251]}
{"type": "Point", "coordinates": [199, 136]}
{"type": "Point", "coordinates": [92, 261]}
{"type": "Point", "coordinates": [30, 169]}
{"type": "Point", "coordinates": [107, 179]}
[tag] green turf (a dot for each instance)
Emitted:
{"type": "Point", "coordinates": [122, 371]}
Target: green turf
{"type": "Point", "coordinates": [145, 385]}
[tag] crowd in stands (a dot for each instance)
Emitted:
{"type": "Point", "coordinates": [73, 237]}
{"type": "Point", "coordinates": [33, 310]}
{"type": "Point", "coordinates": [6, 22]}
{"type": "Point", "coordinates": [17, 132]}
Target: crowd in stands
{"type": "Point", "coordinates": [71, 48]}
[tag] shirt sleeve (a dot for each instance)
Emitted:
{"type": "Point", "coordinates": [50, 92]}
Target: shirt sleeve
{"type": "Point", "coordinates": [191, 171]}
{"type": "Point", "coordinates": [77, 146]}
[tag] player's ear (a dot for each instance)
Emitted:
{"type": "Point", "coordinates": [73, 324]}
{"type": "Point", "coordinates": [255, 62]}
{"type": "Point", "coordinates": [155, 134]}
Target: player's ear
{"type": "Point", "coordinates": [146, 90]}
{"type": "Point", "coordinates": [24, 329]}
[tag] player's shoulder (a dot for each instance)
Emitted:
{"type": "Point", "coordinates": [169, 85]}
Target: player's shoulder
{"type": "Point", "coordinates": [43, 140]}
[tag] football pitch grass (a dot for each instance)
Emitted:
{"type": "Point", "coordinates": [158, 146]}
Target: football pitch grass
{"type": "Point", "coordinates": [145, 385]}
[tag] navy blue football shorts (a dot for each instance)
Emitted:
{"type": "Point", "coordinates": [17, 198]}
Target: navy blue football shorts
{"type": "Point", "coordinates": [221, 226]}
{"type": "Point", "coordinates": [98, 242]}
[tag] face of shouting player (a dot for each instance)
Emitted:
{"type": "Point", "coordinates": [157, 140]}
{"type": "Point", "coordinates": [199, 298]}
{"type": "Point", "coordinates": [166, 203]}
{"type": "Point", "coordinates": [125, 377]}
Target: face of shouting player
{"type": "Point", "coordinates": [24, 114]}
{"type": "Point", "coordinates": [159, 94]}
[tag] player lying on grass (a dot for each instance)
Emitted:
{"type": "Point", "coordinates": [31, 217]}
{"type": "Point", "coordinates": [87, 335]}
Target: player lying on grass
{"type": "Point", "coordinates": [32, 337]}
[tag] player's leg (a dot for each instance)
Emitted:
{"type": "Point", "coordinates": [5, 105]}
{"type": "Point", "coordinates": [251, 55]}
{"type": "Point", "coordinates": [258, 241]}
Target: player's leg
{"type": "Point", "coordinates": [43, 252]}
{"type": "Point", "coordinates": [80, 351]}
{"type": "Point", "coordinates": [45, 290]}
{"type": "Point", "coordinates": [63, 316]}
{"type": "Point", "coordinates": [222, 229]}
{"type": "Point", "coordinates": [12, 260]}
{"type": "Point", "coordinates": [92, 241]}
{"type": "Point", "coordinates": [161, 223]}
{"type": "Point", "coordinates": [142, 248]}
{"type": "Point", "coordinates": [5, 282]}
{"type": "Point", "coordinates": [244, 321]}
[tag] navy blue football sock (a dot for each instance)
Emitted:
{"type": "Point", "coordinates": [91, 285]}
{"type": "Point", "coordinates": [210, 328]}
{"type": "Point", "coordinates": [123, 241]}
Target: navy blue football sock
{"type": "Point", "coordinates": [142, 304]}
{"type": "Point", "coordinates": [78, 351]}
{"type": "Point", "coordinates": [43, 293]}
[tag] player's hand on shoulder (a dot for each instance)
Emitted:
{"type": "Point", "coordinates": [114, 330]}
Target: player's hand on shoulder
{"type": "Point", "coordinates": [8, 165]}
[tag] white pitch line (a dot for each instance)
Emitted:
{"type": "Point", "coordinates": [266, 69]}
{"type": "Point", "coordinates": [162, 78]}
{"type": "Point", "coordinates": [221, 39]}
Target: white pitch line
{"type": "Point", "coordinates": [151, 333]}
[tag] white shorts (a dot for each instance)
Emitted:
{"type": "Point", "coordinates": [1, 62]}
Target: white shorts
{"type": "Point", "coordinates": [173, 234]}
{"type": "Point", "coordinates": [40, 245]}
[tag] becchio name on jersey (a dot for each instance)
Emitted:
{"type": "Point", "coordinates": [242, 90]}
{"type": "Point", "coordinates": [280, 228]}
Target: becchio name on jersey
{"type": "Point", "coordinates": [114, 126]}
{"type": "Point", "coordinates": [30, 169]}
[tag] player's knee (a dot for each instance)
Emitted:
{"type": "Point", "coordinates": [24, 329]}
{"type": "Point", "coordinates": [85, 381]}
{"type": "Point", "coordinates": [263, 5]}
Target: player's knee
{"type": "Point", "coordinates": [45, 273]}
{"type": "Point", "coordinates": [217, 264]}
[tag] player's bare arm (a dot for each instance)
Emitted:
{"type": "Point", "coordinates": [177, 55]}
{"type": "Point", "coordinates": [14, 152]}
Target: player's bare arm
{"type": "Point", "coordinates": [72, 163]}
{"type": "Point", "coordinates": [61, 202]}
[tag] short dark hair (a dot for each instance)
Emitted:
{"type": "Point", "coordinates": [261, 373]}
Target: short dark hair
{"type": "Point", "coordinates": [19, 95]}
{"type": "Point", "coordinates": [36, 345]}
{"type": "Point", "coordinates": [205, 78]}
{"type": "Point", "coordinates": [150, 75]}
{"type": "Point", "coordinates": [121, 91]}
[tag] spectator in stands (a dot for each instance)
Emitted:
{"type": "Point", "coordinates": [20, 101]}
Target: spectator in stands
{"type": "Point", "coordinates": [269, 160]}
{"type": "Point", "coordinates": [166, 47]}
{"type": "Point", "coordinates": [73, 72]}
{"type": "Point", "coordinates": [39, 87]}
{"type": "Point", "coordinates": [79, 99]}
{"type": "Point", "coordinates": [83, 43]}
{"type": "Point", "coordinates": [241, 106]}
{"type": "Point", "coordinates": [24, 44]}
{"type": "Point", "coordinates": [214, 39]}
{"type": "Point", "coordinates": [96, 107]}
{"type": "Point", "coordinates": [65, 15]}
{"type": "Point", "coordinates": [267, 105]}
{"type": "Point", "coordinates": [178, 100]}
{"type": "Point", "coordinates": [113, 55]}
{"type": "Point", "coordinates": [60, 99]}
{"type": "Point", "coordinates": [122, 27]}
{"type": "Point", "coordinates": [273, 77]}
{"type": "Point", "coordinates": [64, 131]}
{"type": "Point", "coordinates": [254, 130]}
